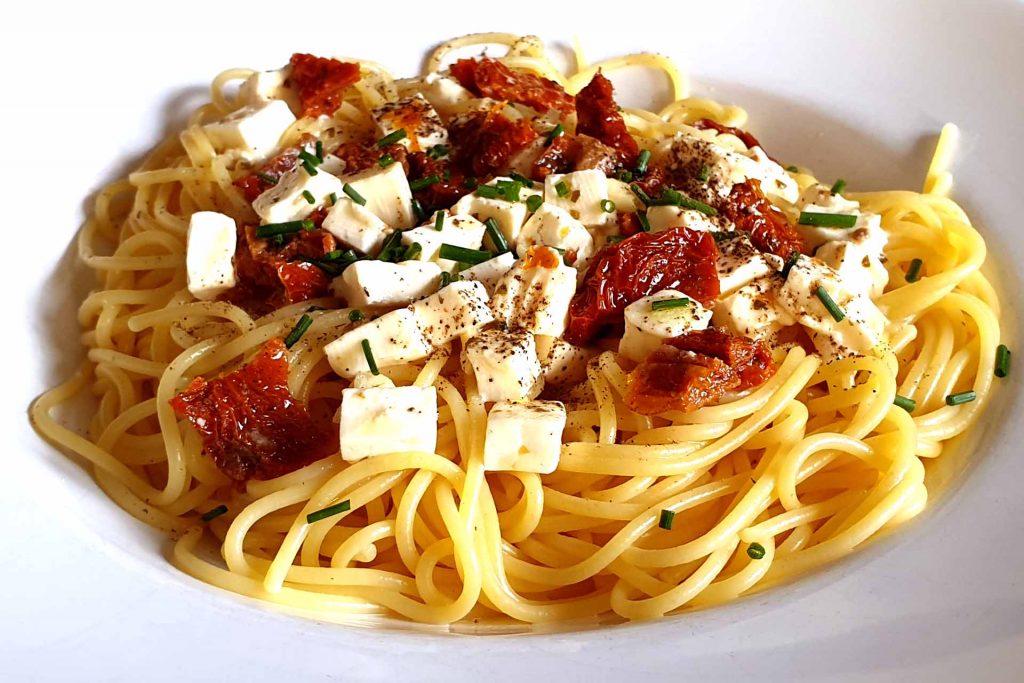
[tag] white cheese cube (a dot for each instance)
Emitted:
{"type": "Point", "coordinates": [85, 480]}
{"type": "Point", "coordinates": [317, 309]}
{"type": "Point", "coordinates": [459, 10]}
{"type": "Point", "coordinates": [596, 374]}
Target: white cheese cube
{"type": "Point", "coordinates": [663, 218]}
{"type": "Point", "coordinates": [505, 365]}
{"type": "Point", "coordinates": [387, 194]}
{"type": "Point", "coordinates": [394, 338]}
{"type": "Point", "coordinates": [378, 283]}
{"type": "Point", "coordinates": [380, 420]}
{"type": "Point", "coordinates": [266, 86]}
{"type": "Point", "coordinates": [753, 310]}
{"type": "Point", "coordinates": [208, 257]}
{"type": "Point", "coordinates": [356, 226]}
{"type": "Point", "coordinates": [334, 165]}
{"type": "Point", "coordinates": [535, 294]}
{"type": "Point", "coordinates": [867, 232]}
{"type": "Point", "coordinates": [646, 328]}
{"type": "Point", "coordinates": [775, 181]}
{"type": "Point", "coordinates": [509, 216]}
{"type": "Point", "coordinates": [562, 362]}
{"type": "Point", "coordinates": [491, 271]}
{"type": "Point", "coordinates": [368, 380]}
{"type": "Point", "coordinates": [622, 196]}
{"type": "Point", "coordinates": [445, 94]}
{"type": "Point", "coordinates": [524, 437]}
{"type": "Point", "coordinates": [458, 309]}
{"type": "Point", "coordinates": [458, 230]}
{"type": "Point", "coordinates": [552, 226]}
{"type": "Point", "coordinates": [860, 270]}
{"type": "Point", "coordinates": [583, 193]}
{"type": "Point", "coordinates": [289, 199]}
{"type": "Point", "coordinates": [423, 127]}
{"type": "Point", "coordinates": [740, 262]}
{"type": "Point", "coordinates": [253, 131]}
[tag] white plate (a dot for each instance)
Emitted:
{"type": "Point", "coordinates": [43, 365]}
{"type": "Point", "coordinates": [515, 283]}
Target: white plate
{"type": "Point", "coordinates": [857, 91]}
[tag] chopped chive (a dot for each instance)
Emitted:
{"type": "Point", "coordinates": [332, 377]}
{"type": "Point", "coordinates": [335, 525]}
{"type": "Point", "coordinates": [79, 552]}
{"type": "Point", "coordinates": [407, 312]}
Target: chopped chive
{"type": "Point", "coordinates": [278, 239]}
{"type": "Point", "coordinates": [642, 160]}
{"type": "Point", "coordinates": [273, 229]}
{"type": "Point", "coordinates": [608, 206]}
{"type": "Point", "coordinates": [666, 519]}
{"type": "Point", "coordinates": [308, 196]}
{"type": "Point", "coordinates": [960, 398]}
{"type": "Point", "coordinates": [908, 404]}
{"type": "Point", "coordinates": [391, 247]}
{"type": "Point", "coordinates": [827, 220]}
{"type": "Point", "coordinates": [838, 186]}
{"type": "Point", "coordinates": [353, 194]}
{"type": "Point", "coordinates": [792, 169]}
{"type": "Point", "coordinates": [439, 221]}
{"type": "Point", "coordinates": [333, 197]}
{"type": "Point", "coordinates": [330, 511]}
{"type": "Point", "coordinates": [300, 329]}
{"type": "Point", "coordinates": [534, 201]}
{"type": "Point", "coordinates": [310, 168]}
{"type": "Point", "coordinates": [368, 354]}
{"type": "Point", "coordinates": [562, 189]}
{"type": "Point", "coordinates": [497, 239]}
{"type": "Point", "coordinates": [556, 132]}
{"type": "Point", "coordinates": [470, 183]}
{"type": "Point", "coordinates": [488, 192]}
{"type": "Point", "coordinates": [520, 178]}
{"type": "Point", "coordinates": [707, 210]}
{"type": "Point", "coordinates": [385, 161]}
{"type": "Point", "coordinates": [355, 315]}
{"type": "Point", "coordinates": [1002, 360]}
{"type": "Point", "coordinates": [437, 151]}
{"type": "Point", "coordinates": [510, 190]}
{"type": "Point", "coordinates": [914, 270]}
{"type": "Point", "coordinates": [418, 210]}
{"type": "Point", "coordinates": [668, 197]}
{"type": "Point", "coordinates": [214, 513]}
{"type": "Point", "coordinates": [641, 195]}
{"type": "Point", "coordinates": [308, 225]}
{"type": "Point", "coordinates": [454, 252]}
{"type": "Point", "coordinates": [446, 279]}
{"type": "Point", "coordinates": [626, 176]}
{"type": "Point", "coordinates": [268, 178]}
{"type": "Point", "coordinates": [412, 252]}
{"type": "Point", "coordinates": [755, 551]}
{"type": "Point", "coordinates": [791, 261]}
{"type": "Point", "coordinates": [392, 138]}
{"type": "Point", "coordinates": [320, 150]}
{"type": "Point", "coordinates": [615, 239]}
{"type": "Point", "coordinates": [704, 173]}
{"type": "Point", "coordinates": [667, 304]}
{"type": "Point", "coordinates": [829, 303]}
{"type": "Point", "coordinates": [645, 224]}
{"type": "Point", "coordinates": [424, 183]}
{"type": "Point", "coordinates": [310, 158]}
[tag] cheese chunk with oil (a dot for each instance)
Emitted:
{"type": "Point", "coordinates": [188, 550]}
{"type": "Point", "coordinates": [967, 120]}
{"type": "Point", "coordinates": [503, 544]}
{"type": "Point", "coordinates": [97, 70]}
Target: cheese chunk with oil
{"type": "Point", "coordinates": [356, 226]}
{"type": "Point", "coordinates": [505, 365]}
{"type": "Point", "coordinates": [552, 226]}
{"type": "Point", "coordinates": [866, 232]}
{"type": "Point", "coordinates": [445, 94]}
{"type": "Point", "coordinates": [387, 194]}
{"type": "Point", "coordinates": [859, 268]}
{"type": "Point", "coordinates": [662, 218]}
{"type": "Point", "coordinates": [381, 420]}
{"type": "Point", "coordinates": [394, 338]}
{"type": "Point", "coordinates": [458, 309]}
{"type": "Point", "coordinates": [289, 199]}
{"type": "Point", "coordinates": [266, 86]}
{"type": "Point", "coordinates": [753, 310]}
{"type": "Point", "coordinates": [378, 283]}
{"type": "Point", "coordinates": [535, 294]}
{"type": "Point", "coordinates": [254, 131]}
{"type": "Point", "coordinates": [563, 363]}
{"type": "Point", "coordinates": [524, 437]}
{"type": "Point", "coordinates": [209, 252]}
{"type": "Point", "coordinates": [647, 328]}
{"type": "Point", "coordinates": [490, 272]}
{"type": "Point", "coordinates": [459, 230]}
{"type": "Point", "coordinates": [422, 125]}
{"type": "Point", "coordinates": [581, 196]}
{"type": "Point", "coordinates": [740, 262]}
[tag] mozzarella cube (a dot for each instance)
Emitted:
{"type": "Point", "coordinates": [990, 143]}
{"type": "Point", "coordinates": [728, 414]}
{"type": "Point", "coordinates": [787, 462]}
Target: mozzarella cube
{"type": "Point", "coordinates": [753, 310]}
{"type": "Point", "coordinates": [584, 191]}
{"type": "Point", "coordinates": [333, 164]}
{"type": "Point", "coordinates": [663, 218]}
{"type": "Point", "coordinates": [491, 271]}
{"type": "Point", "coordinates": [368, 380]}
{"type": "Point", "coordinates": [423, 127]}
{"type": "Point", "coordinates": [289, 199]}
{"type": "Point", "coordinates": [381, 420]}
{"type": "Point", "coordinates": [535, 294]}
{"type": "Point", "coordinates": [394, 338]}
{"type": "Point", "coordinates": [208, 257]}
{"type": "Point", "coordinates": [458, 309]}
{"type": "Point", "coordinates": [623, 197]}
{"type": "Point", "coordinates": [646, 327]}
{"type": "Point", "coordinates": [356, 226]}
{"type": "Point", "coordinates": [867, 232]}
{"type": "Point", "coordinates": [860, 270]}
{"type": "Point", "coordinates": [740, 262]}
{"type": "Point", "coordinates": [509, 216]}
{"type": "Point", "coordinates": [458, 230]}
{"type": "Point", "coordinates": [562, 362]}
{"type": "Point", "coordinates": [524, 437]}
{"type": "Point", "coordinates": [254, 130]}
{"type": "Point", "coordinates": [378, 283]}
{"type": "Point", "coordinates": [552, 226]}
{"type": "Point", "coordinates": [445, 94]}
{"type": "Point", "coordinates": [387, 194]}
{"type": "Point", "coordinates": [505, 365]}
{"type": "Point", "coordinates": [775, 181]}
{"type": "Point", "coordinates": [267, 86]}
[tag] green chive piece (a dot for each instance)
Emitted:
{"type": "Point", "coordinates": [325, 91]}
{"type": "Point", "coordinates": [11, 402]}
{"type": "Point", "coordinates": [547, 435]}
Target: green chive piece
{"type": "Point", "coordinates": [644, 198]}
{"type": "Point", "coordinates": [391, 247]}
{"type": "Point", "coordinates": [534, 201]}
{"type": "Point", "coordinates": [755, 551]}
{"type": "Point", "coordinates": [453, 252]}
{"type": "Point", "coordinates": [320, 150]}
{"type": "Point", "coordinates": [333, 197]}
{"type": "Point", "coordinates": [488, 192]}
{"type": "Point", "coordinates": [437, 151]}
{"type": "Point", "coordinates": [353, 194]}
{"type": "Point", "coordinates": [446, 279]}
{"type": "Point", "coordinates": [268, 178]}
{"type": "Point", "coordinates": [412, 252]}
{"type": "Point", "coordinates": [908, 404]}
{"type": "Point", "coordinates": [615, 239]}
{"type": "Point", "coordinates": [707, 210]}
{"type": "Point", "coordinates": [642, 160]}
{"type": "Point", "coordinates": [273, 229]}
{"type": "Point", "coordinates": [914, 270]}
{"type": "Point", "coordinates": [838, 186]}
{"type": "Point", "coordinates": [310, 168]}
{"type": "Point", "coordinates": [470, 183]}
{"type": "Point", "coordinates": [829, 303]}
{"type": "Point", "coordinates": [300, 329]}
{"type": "Point", "coordinates": [424, 183]}
{"type": "Point", "coordinates": [330, 511]}
{"type": "Point", "coordinates": [666, 519]}
{"type": "Point", "coordinates": [355, 315]}
{"type": "Point", "coordinates": [827, 220]}
{"type": "Point", "coordinates": [645, 224]}
{"type": "Point", "coordinates": [308, 196]}
{"type": "Point", "coordinates": [368, 354]}
{"type": "Point", "coordinates": [520, 178]}
{"type": "Point", "coordinates": [497, 239]}
{"type": "Point", "coordinates": [510, 190]}
{"type": "Point", "coordinates": [960, 398]}
{"type": "Point", "coordinates": [385, 161]}
{"type": "Point", "coordinates": [214, 513]}
{"type": "Point", "coordinates": [310, 158]}
{"type": "Point", "coordinates": [625, 176]}
{"type": "Point", "coordinates": [308, 225]}
{"type": "Point", "coordinates": [792, 169]}
{"type": "Point", "coordinates": [791, 261]}
{"type": "Point", "coordinates": [392, 138]}
{"type": "Point", "coordinates": [704, 173]}
{"type": "Point", "coordinates": [668, 304]}
{"type": "Point", "coordinates": [556, 132]}
{"type": "Point", "coordinates": [418, 210]}
{"type": "Point", "coordinates": [439, 221]}
{"type": "Point", "coordinates": [608, 206]}
{"type": "Point", "coordinates": [1002, 360]}
{"type": "Point", "coordinates": [562, 189]}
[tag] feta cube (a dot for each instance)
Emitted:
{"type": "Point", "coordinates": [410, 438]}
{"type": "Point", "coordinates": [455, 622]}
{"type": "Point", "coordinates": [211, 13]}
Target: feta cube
{"type": "Point", "coordinates": [584, 191]}
{"type": "Point", "coordinates": [552, 226]}
{"type": "Point", "coordinates": [445, 94]}
{"type": "Point", "coordinates": [524, 437]}
{"type": "Point", "coordinates": [458, 230]}
{"type": "Point", "coordinates": [381, 420]}
{"type": "Point", "coordinates": [535, 294]}
{"type": "Point", "coordinates": [740, 262]}
{"type": "Point", "coordinates": [663, 218]}
{"type": "Point", "coordinates": [753, 310]}
{"type": "Point", "coordinates": [267, 86]}
{"type": "Point", "coordinates": [646, 328]}
{"type": "Point", "coordinates": [368, 380]}
{"type": "Point", "coordinates": [387, 194]}
{"type": "Point", "coordinates": [505, 365]}
{"type": "Point", "coordinates": [394, 338]}
{"type": "Point", "coordinates": [208, 256]}
{"type": "Point", "coordinates": [861, 271]}
{"type": "Point", "coordinates": [458, 309]}
{"type": "Point", "coordinates": [423, 127]}
{"type": "Point", "coordinates": [622, 196]}
{"type": "Point", "coordinates": [253, 131]}
{"type": "Point", "coordinates": [509, 216]}
{"type": "Point", "coordinates": [378, 283]}
{"type": "Point", "coordinates": [562, 362]}
{"type": "Point", "coordinates": [490, 272]}
{"type": "Point", "coordinates": [288, 200]}
{"type": "Point", "coordinates": [867, 232]}
{"type": "Point", "coordinates": [356, 226]}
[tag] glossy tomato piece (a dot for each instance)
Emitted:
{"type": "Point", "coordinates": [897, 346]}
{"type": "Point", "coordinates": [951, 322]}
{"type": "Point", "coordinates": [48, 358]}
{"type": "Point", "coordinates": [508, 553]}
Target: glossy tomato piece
{"type": "Point", "coordinates": [487, 77]}
{"type": "Point", "coordinates": [320, 82]}
{"type": "Point", "coordinates": [598, 116]}
{"type": "Point", "coordinates": [769, 229]}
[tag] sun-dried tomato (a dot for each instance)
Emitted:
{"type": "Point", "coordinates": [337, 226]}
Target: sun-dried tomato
{"type": "Point", "coordinates": [444, 193]}
{"type": "Point", "coordinates": [320, 82]}
{"type": "Point", "coordinates": [484, 142]}
{"type": "Point", "coordinates": [557, 157]}
{"type": "Point", "coordinates": [769, 229]}
{"type": "Point", "coordinates": [266, 176]}
{"type": "Point", "coordinates": [750, 359]}
{"type": "Point", "coordinates": [598, 116]}
{"type": "Point", "coordinates": [487, 77]}
{"type": "Point", "coordinates": [361, 155]}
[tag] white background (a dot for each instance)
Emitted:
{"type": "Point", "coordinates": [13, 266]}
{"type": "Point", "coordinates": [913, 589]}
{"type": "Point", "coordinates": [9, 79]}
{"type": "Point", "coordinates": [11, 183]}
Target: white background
{"type": "Point", "coordinates": [857, 90]}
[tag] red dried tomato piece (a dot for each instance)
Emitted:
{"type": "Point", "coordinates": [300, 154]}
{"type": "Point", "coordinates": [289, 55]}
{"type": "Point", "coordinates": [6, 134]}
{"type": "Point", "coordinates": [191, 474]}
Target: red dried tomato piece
{"type": "Point", "coordinates": [255, 184]}
{"type": "Point", "coordinates": [442, 194]}
{"type": "Point", "coordinates": [270, 276]}
{"type": "Point", "coordinates": [487, 77]}
{"type": "Point", "coordinates": [750, 359]}
{"type": "Point", "coordinates": [556, 158]}
{"type": "Point", "coordinates": [302, 280]}
{"type": "Point", "coordinates": [629, 224]}
{"type": "Point", "coordinates": [680, 258]}
{"type": "Point", "coordinates": [252, 426]}
{"type": "Point", "coordinates": [485, 141]}
{"type": "Point", "coordinates": [770, 231]}
{"type": "Point", "coordinates": [320, 82]}
{"type": "Point", "coordinates": [598, 116]}
{"type": "Point", "coordinates": [359, 156]}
